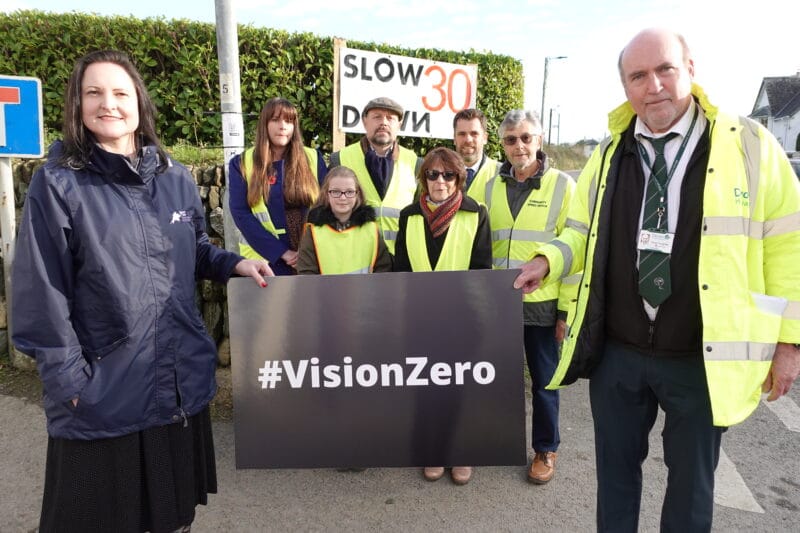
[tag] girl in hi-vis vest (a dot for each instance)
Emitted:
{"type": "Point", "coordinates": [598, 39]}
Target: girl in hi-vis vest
{"type": "Point", "coordinates": [342, 236]}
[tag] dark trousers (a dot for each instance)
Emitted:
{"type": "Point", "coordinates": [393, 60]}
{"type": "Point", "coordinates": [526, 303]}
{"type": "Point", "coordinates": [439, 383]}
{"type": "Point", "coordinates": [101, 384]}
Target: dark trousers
{"type": "Point", "coordinates": [626, 390]}
{"type": "Point", "coordinates": [541, 353]}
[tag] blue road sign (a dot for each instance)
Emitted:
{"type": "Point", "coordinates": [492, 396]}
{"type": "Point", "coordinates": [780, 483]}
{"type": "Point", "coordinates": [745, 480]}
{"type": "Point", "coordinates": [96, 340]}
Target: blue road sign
{"type": "Point", "coordinates": [21, 131]}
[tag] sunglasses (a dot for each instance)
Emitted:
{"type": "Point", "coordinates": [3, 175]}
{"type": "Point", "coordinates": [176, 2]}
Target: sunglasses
{"type": "Point", "coordinates": [511, 140]}
{"type": "Point", "coordinates": [448, 175]}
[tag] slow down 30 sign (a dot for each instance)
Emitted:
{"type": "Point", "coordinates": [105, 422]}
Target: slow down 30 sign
{"type": "Point", "coordinates": [21, 133]}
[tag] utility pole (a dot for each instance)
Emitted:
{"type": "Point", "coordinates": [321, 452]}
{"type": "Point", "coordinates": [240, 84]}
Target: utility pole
{"type": "Point", "coordinates": [544, 85]}
{"type": "Point", "coordinates": [230, 93]}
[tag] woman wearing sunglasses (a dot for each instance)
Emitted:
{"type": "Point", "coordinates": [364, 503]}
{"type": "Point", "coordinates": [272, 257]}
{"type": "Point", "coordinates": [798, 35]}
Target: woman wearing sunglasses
{"type": "Point", "coordinates": [444, 230]}
{"type": "Point", "coordinates": [342, 236]}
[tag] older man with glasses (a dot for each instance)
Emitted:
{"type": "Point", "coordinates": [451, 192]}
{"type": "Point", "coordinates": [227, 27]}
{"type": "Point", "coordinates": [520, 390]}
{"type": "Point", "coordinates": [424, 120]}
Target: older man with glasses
{"type": "Point", "coordinates": [528, 202]}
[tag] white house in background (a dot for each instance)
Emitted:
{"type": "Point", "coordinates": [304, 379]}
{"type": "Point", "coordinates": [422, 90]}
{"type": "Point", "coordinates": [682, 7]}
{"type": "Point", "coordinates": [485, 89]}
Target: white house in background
{"type": "Point", "coordinates": [777, 107]}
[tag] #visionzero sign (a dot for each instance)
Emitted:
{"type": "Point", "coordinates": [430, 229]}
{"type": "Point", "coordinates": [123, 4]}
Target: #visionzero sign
{"type": "Point", "coordinates": [431, 92]}
{"type": "Point", "coordinates": [21, 133]}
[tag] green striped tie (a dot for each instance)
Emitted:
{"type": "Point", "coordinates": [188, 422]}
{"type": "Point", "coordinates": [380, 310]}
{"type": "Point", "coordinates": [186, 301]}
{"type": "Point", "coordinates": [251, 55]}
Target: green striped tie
{"type": "Point", "coordinates": [654, 279]}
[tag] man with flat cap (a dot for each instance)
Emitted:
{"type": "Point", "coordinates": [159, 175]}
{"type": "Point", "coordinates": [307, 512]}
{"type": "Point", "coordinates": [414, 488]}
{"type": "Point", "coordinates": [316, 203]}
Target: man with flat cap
{"type": "Point", "coordinates": [386, 171]}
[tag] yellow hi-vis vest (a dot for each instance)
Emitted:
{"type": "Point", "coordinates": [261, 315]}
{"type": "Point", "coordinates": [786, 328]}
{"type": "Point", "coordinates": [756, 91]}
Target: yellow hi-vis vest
{"type": "Point", "coordinates": [352, 251]}
{"type": "Point", "coordinates": [540, 220]}
{"type": "Point", "coordinates": [457, 249]}
{"type": "Point", "coordinates": [477, 189]}
{"type": "Point", "coordinates": [749, 265]}
{"type": "Point", "coordinates": [260, 210]}
{"type": "Point", "coordinates": [400, 193]}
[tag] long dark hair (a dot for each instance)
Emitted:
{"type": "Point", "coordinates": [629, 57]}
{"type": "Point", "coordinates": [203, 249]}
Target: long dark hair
{"type": "Point", "coordinates": [300, 187]}
{"type": "Point", "coordinates": [78, 140]}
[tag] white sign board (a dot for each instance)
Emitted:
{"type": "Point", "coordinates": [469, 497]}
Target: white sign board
{"type": "Point", "coordinates": [431, 92]}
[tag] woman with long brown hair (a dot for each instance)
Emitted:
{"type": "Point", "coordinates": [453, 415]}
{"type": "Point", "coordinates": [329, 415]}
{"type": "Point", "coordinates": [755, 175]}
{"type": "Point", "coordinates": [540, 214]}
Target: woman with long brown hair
{"type": "Point", "coordinates": [111, 242]}
{"type": "Point", "coordinates": [272, 185]}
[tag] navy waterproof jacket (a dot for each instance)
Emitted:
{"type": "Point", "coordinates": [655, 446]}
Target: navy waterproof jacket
{"type": "Point", "coordinates": [103, 294]}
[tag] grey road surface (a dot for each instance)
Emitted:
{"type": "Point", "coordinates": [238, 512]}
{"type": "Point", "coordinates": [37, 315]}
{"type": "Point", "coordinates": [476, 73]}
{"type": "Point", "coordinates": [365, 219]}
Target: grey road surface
{"type": "Point", "coordinates": [760, 486]}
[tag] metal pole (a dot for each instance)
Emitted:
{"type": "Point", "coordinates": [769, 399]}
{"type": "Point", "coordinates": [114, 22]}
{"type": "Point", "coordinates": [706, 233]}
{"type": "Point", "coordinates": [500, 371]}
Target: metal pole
{"type": "Point", "coordinates": [550, 126]}
{"type": "Point", "coordinates": [558, 128]}
{"type": "Point", "coordinates": [231, 104]}
{"type": "Point", "coordinates": [8, 229]}
{"type": "Point", "coordinates": [544, 86]}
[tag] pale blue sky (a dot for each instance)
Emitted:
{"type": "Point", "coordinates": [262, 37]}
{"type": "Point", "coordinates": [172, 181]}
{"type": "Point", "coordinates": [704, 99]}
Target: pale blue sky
{"type": "Point", "coordinates": [735, 43]}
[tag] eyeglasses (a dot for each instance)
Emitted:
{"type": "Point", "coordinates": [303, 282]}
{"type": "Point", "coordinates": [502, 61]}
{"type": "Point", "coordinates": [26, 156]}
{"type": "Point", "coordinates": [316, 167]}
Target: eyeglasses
{"type": "Point", "coordinates": [448, 175]}
{"type": "Point", "coordinates": [511, 140]}
{"type": "Point", "coordinates": [336, 193]}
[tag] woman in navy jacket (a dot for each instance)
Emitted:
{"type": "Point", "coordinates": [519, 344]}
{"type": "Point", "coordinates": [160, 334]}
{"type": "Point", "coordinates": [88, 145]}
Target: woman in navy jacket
{"type": "Point", "coordinates": [110, 243]}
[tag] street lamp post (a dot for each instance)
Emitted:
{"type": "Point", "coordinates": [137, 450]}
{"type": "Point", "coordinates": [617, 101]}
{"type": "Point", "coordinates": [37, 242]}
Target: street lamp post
{"type": "Point", "coordinates": [544, 85]}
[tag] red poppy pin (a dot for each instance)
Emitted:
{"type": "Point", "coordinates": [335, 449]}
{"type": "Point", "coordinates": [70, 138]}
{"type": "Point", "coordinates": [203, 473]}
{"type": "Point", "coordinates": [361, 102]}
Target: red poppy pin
{"type": "Point", "coordinates": [272, 180]}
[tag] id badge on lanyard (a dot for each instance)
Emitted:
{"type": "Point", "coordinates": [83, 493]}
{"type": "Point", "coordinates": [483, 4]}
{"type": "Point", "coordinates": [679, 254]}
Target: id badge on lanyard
{"type": "Point", "coordinates": [656, 241]}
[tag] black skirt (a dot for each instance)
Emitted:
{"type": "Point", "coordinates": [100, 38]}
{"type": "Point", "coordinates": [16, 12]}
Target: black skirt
{"type": "Point", "coordinates": [146, 481]}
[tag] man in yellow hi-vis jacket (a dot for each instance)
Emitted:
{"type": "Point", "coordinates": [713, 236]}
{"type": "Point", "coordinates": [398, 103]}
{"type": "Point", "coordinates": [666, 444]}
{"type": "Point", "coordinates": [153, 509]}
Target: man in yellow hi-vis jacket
{"type": "Point", "coordinates": [386, 171]}
{"type": "Point", "coordinates": [527, 203]}
{"type": "Point", "coordinates": [686, 224]}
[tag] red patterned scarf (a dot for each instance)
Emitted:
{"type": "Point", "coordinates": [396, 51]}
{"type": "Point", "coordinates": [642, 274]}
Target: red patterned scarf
{"type": "Point", "coordinates": [440, 217]}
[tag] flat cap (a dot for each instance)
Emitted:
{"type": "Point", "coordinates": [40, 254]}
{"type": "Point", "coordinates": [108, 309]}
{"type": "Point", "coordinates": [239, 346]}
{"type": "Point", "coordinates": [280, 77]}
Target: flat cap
{"type": "Point", "coordinates": [384, 102]}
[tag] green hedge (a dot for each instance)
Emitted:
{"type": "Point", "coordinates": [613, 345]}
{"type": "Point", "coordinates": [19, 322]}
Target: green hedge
{"type": "Point", "coordinates": [178, 61]}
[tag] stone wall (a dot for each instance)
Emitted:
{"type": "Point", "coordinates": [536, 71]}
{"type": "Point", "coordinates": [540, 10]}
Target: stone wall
{"type": "Point", "coordinates": [210, 297]}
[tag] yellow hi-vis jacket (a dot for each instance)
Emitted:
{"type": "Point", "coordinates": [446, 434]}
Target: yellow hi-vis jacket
{"type": "Point", "coordinates": [457, 249]}
{"type": "Point", "coordinates": [399, 194]}
{"type": "Point", "coordinates": [540, 220]}
{"type": "Point", "coordinates": [352, 251]}
{"type": "Point", "coordinates": [260, 210]}
{"type": "Point", "coordinates": [749, 267]}
{"type": "Point", "coordinates": [477, 189]}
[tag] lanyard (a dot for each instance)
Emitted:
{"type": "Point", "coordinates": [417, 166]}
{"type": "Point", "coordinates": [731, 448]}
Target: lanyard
{"type": "Point", "coordinates": [675, 161]}
{"type": "Point", "coordinates": [662, 189]}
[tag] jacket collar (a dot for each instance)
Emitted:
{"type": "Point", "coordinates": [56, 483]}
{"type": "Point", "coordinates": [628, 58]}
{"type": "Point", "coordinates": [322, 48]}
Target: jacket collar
{"type": "Point", "coordinates": [117, 168]}
{"type": "Point", "coordinates": [320, 216]}
{"type": "Point", "coordinates": [620, 118]}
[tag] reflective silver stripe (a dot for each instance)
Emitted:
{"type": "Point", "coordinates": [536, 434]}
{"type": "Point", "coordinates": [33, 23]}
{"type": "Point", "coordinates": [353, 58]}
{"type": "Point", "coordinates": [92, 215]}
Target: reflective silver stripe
{"type": "Point", "coordinates": [782, 225]}
{"type": "Point", "coordinates": [566, 253]}
{"type": "Point", "coordinates": [577, 226]}
{"type": "Point", "coordinates": [751, 228]}
{"type": "Point", "coordinates": [532, 235]}
{"type": "Point", "coordinates": [504, 262]}
{"type": "Point", "coordinates": [792, 311]}
{"type": "Point", "coordinates": [751, 145]}
{"type": "Point", "coordinates": [390, 212]}
{"type": "Point", "coordinates": [487, 199]}
{"type": "Point", "coordinates": [522, 235]}
{"type": "Point", "coordinates": [261, 216]}
{"type": "Point", "coordinates": [738, 351]}
{"type": "Point", "coordinates": [556, 201]}
{"type": "Point", "coordinates": [389, 235]}
{"type": "Point", "coordinates": [364, 270]}
{"type": "Point", "coordinates": [573, 279]}
{"type": "Point", "coordinates": [501, 235]}
{"type": "Point", "coordinates": [604, 144]}
{"type": "Point", "coordinates": [733, 226]}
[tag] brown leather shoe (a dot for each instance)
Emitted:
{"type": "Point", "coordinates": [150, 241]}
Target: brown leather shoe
{"type": "Point", "coordinates": [433, 473]}
{"type": "Point", "coordinates": [461, 474]}
{"type": "Point", "coordinates": [542, 468]}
